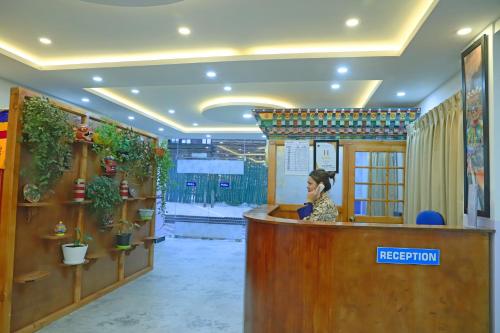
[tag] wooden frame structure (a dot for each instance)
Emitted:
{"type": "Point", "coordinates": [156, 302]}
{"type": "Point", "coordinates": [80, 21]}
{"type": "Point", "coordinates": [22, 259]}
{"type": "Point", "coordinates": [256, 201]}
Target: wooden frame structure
{"type": "Point", "coordinates": [38, 289]}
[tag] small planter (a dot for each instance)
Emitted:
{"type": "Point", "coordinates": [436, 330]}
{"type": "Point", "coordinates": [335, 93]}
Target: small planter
{"type": "Point", "coordinates": [73, 254]}
{"type": "Point", "coordinates": [145, 214]}
{"type": "Point", "coordinates": [123, 241]}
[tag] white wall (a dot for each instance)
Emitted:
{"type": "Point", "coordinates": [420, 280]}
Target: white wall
{"type": "Point", "coordinates": [5, 93]}
{"type": "Point", "coordinates": [447, 89]}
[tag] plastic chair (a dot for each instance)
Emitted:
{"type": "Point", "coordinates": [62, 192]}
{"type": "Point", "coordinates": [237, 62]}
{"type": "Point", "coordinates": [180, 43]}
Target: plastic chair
{"type": "Point", "coordinates": [430, 217]}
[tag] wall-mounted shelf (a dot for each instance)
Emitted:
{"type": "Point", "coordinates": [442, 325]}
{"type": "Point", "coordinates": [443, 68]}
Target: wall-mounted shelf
{"type": "Point", "coordinates": [84, 202]}
{"type": "Point", "coordinates": [142, 221]}
{"type": "Point", "coordinates": [152, 197]}
{"type": "Point", "coordinates": [31, 277]}
{"type": "Point", "coordinates": [154, 239]}
{"type": "Point", "coordinates": [53, 237]}
{"type": "Point", "coordinates": [83, 263]}
{"type": "Point", "coordinates": [84, 142]}
{"type": "Point", "coordinates": [35, 204]}
{"type": "Point", "coordinates": [136, 199]}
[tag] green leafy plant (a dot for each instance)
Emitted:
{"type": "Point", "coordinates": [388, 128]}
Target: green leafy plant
{"type": "Point", "coordinates": [105, 195]}
{"type": "Point", "coordinates": [126, 227]}
{"type": "Point", "coordinates": [163, 165]}
{"type": "Point", "coordinates": [81, 239]}
{"type": "Point", "coordinates": [107, 140]}
{"type": "Point", "coordinates": [48, 135]}
{"type": "Point", "coordinates": [136, 155]}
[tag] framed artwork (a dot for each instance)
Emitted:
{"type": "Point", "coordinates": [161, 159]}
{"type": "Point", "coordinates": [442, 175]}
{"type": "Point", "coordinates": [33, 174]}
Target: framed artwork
{"type": "Point", "coordinates": [475, 118]}
{"type": "Point", "coordinates": [326, 155]}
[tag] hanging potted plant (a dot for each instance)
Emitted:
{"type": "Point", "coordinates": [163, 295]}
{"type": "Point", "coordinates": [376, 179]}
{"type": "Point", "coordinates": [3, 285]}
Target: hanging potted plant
{"type": "Point", "coordinates": [136, 155]}
{"type": "Point", "coordinates": [124, 235]}
{"type": "Point", "coordinates": [74, 253]}
{"type": "Point", "coordinates": [48, 135]}
{"type": "Point", "coordinates": [105, 197]}
{"type": "Point", "coordinates": [108, 139]}
{"type": "Point", "coordinates": [145, 214]}
{"type": "Point", "coordinates": [163, 166]}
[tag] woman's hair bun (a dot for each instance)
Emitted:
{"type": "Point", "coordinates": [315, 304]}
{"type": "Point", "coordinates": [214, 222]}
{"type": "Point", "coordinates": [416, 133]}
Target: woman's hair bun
{"type": "Point", "coordinates": [331, 174]}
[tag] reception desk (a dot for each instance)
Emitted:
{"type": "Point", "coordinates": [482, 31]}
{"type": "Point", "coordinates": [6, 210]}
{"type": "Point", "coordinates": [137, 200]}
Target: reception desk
{"type": "Point", "coordinates": [307, 277]}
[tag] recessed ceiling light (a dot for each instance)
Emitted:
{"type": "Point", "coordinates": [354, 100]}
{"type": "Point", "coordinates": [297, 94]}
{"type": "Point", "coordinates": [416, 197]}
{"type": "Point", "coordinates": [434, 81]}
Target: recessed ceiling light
{"type": "Point", "coordinates": [85, 99]}
{"type": "Point", "coordinates": [45, 40]}
{"type": "Point", "coordinates": [464, 31]}
{"type": "Point", "coordinates": [131, 117]}
{"type": "Point", "coordinates": [352, 22]}
{"type": "Point", "coordinates": [401, 93]}
{"type": "Point", "coordinates": [335, 86]}
{"type": "Point", "coordinates": [97, 79]}
{"type": "Point", "coordinates": [184, 31]}
{"type": "Point", "coordinates": [247, 116]}
{"type": "Point", "coordinates": [195, 124]}
{"type": "Point", "coordinates": [208, 136]}
{"type": "Point", "coordinates": [171, 111]}
{"type": "Point", "coordinates": [135, 91]}
{"type": "Point", "coordinates": [161, 129]}
{"type": "Point", "coordinates": [228, 88]}
{"type": "Point", "coordinates": [342, 70]}
{"type": "Point", "coordinates": [211, 74]}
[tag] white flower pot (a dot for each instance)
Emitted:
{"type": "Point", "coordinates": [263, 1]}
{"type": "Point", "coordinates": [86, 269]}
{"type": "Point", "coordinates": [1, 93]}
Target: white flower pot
{"type": "Point", "coordinates": [74, 255]}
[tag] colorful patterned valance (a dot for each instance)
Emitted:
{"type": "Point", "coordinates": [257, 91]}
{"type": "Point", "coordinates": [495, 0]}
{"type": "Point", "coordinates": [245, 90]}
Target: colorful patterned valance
{"type": "Point", "coordinates": [374, 123]}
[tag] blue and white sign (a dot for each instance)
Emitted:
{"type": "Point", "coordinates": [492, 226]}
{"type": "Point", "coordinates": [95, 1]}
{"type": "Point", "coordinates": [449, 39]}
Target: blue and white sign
{"type": "Point", "coordinates": [191, 184]}
{"type": "Point", "coordinates": [224, 184]}
{"type": "Point", "coordinates": [408, 256]}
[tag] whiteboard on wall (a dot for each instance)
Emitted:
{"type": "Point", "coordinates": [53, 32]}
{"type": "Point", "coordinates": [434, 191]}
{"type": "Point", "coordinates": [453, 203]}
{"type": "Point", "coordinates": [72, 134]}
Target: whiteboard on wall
{"type": "Point", "coordinates": [291, 189]}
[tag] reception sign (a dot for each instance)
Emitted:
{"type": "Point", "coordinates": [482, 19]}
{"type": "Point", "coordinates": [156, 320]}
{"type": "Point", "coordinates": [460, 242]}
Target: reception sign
{"type": "Point", "coordinates": [408, 256]}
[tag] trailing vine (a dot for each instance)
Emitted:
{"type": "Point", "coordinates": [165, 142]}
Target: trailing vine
{"type": "Point", "coordinates": [163, 166]}
{"type": "Point", "coordinates": [48, 135]}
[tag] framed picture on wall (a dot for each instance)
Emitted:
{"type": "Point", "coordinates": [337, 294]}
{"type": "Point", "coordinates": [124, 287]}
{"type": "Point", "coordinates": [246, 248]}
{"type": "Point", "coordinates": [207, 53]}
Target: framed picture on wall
{"type": "Point", "coordinates": [475, 117]}
{"type": "Point", "coordinates": [326, 155]}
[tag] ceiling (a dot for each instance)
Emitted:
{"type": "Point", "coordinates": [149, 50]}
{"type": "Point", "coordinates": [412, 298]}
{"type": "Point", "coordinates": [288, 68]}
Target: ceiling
{"type": "Point", "coordinates": [279, 53]}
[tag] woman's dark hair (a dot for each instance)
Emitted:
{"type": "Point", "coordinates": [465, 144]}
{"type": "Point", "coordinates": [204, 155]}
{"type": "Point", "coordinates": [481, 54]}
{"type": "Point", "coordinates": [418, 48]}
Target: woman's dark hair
{"type": "Point", "coordinates": [322, 176]}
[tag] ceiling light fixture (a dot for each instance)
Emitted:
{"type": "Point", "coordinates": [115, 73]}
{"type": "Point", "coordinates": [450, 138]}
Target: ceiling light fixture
{"type": "Point", "coordinates": [185, 31]}
{"type": "Point", "coordinates": [131, 117]}
{"type": "Point", "coordinates": [342, 70]}
{"type": "Point", "coordinates": [335, 86]}
{"type": "Point", "coordinates": [195, 124]}
{"type": "Point", "coordinates": [247, 116]}
{"type": "Point", "coordinates": [97, 79]}
{"type": "Point", "coordinates": [228, 88]}
{"type": "Point", "coordinates": [211, 74]}
{"type": "Point", "coordinates": [352, 22]}
{"type": "Point", "coordinates": [401, 93]}
{"type": "Point", "coordinates": [45, 40]}
{"type": "Point", "coordinates": [464, 31]}
{"type": "Point", "coordinates": [135, 91]}
{"type": "Point", "coordinates": [161, 129]}
{"type": "Point", "coordinates": [171, 111]}
{"type": "Point", "coordinates": [85, 100]}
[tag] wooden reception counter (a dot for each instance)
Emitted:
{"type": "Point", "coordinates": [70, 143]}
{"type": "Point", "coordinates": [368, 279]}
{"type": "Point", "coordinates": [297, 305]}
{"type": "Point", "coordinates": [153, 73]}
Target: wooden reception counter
{"type": "Point", "coordinates": [306, 277]}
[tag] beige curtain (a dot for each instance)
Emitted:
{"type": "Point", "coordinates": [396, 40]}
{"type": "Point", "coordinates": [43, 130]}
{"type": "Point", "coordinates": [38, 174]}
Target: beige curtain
{"type": "Point", "coordinates": [435, 163]}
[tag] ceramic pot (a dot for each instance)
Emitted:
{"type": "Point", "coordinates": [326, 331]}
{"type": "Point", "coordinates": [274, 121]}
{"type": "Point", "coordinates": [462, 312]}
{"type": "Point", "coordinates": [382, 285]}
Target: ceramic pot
{"type": "Point", "coordinates": [110, 166]}
{"type": "Point", "coordinates": [79, 190]}
{"type": "Point", "coordinates": [123, 241]}
{"type": "Point", "coordinates": [74, 255]}
{"type": "Point", "coordinates": [145, 214]}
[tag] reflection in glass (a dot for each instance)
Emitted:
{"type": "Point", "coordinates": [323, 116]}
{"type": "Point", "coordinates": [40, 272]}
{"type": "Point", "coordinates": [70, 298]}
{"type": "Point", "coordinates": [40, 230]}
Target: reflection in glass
{"type": "Point", "coordinates": [361, 191]}
{"type": "Point", "coordinates": [377, 208]}
{"type": "Point", "coordinates": [378, 192]}
{"type": "Point", "coordinates": [362, 158]}
{"type": "Point", "coordinates": [360, 207]}
{"type": "Point", "coordinates": [361, 175]}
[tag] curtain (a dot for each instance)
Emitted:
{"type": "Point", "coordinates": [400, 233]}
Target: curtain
{"type": "Point", "coordinates": [435, 163]}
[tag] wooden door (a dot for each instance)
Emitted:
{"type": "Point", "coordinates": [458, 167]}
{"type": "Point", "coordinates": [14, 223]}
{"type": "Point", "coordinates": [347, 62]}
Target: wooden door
{"type": "Point", "coordinates": [374, 190]}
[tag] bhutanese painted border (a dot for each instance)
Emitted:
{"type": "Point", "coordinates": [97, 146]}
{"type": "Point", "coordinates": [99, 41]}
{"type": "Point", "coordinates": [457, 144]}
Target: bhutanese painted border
{"type": "Point", "coordinates": [4, 118]}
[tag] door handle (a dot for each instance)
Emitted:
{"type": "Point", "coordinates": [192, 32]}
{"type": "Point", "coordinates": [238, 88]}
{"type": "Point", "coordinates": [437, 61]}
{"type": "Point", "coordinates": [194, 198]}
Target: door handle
{"type": "Point", "coordinates": [351, 218]}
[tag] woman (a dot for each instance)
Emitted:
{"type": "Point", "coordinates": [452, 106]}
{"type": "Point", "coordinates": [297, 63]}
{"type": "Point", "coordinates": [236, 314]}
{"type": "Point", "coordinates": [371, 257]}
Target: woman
{"type": "Point", "coordinates": [319, 207]}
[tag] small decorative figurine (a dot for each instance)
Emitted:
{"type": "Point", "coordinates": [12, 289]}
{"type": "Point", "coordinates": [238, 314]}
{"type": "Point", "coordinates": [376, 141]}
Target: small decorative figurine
{"type": "Point", "coordinates": [79, 190]}
{"type": "Point", "coordinates": [109, 166]}
{"type": "Point", "coordinates": [60, 229]}
{"type": "Point", "coordinates": [124, 189]}
{"type": "Point", "coordinates": [83, 133]}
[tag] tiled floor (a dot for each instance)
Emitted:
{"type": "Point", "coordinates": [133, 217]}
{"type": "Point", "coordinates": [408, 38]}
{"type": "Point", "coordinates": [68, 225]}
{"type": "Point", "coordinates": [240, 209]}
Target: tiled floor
{"type": "Point", "coordinates": [196, 287]}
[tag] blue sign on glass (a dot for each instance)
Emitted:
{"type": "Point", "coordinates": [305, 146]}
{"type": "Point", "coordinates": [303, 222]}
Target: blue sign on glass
{"type": "Point", "coordinates": [224, 184]}
{"type": "Point", "coordinates": [408, 256]}
{"type": "Point", "coordinates": [191, 184]}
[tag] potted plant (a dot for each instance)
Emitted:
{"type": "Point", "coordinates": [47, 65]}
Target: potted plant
{"type": "Point", "coordinates": [105, 197]}
{"type": "Point", "coordinates": [137, 155]}
{"type": "Point", "coordinates": [74, 253]}
{"type": "Point", "coordinates": [163, 165]}
{"type": "Point", "coordinates": [48, 135]}
{"type": "Point", "coordinates": [124, 234]}
{"type": "Point", "coordinates": [145, 214]}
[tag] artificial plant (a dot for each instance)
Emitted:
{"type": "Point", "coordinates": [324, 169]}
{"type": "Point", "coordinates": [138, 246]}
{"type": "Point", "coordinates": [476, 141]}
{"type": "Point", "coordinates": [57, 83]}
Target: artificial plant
{"type": "Point", "coordinates": [48, 135]}
{"type": "Point", "coordinates": [163, 165]}
{"type": "Point", "coordinates": [105, 195]}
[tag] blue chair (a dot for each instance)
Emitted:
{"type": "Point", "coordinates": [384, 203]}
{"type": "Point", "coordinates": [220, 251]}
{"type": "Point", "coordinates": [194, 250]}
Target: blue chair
{"type": "Point", "coordinates": [430, 217]}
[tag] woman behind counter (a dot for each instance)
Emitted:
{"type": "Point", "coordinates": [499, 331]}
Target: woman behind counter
{"type": "Point", "coordinates": [319, 207]}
